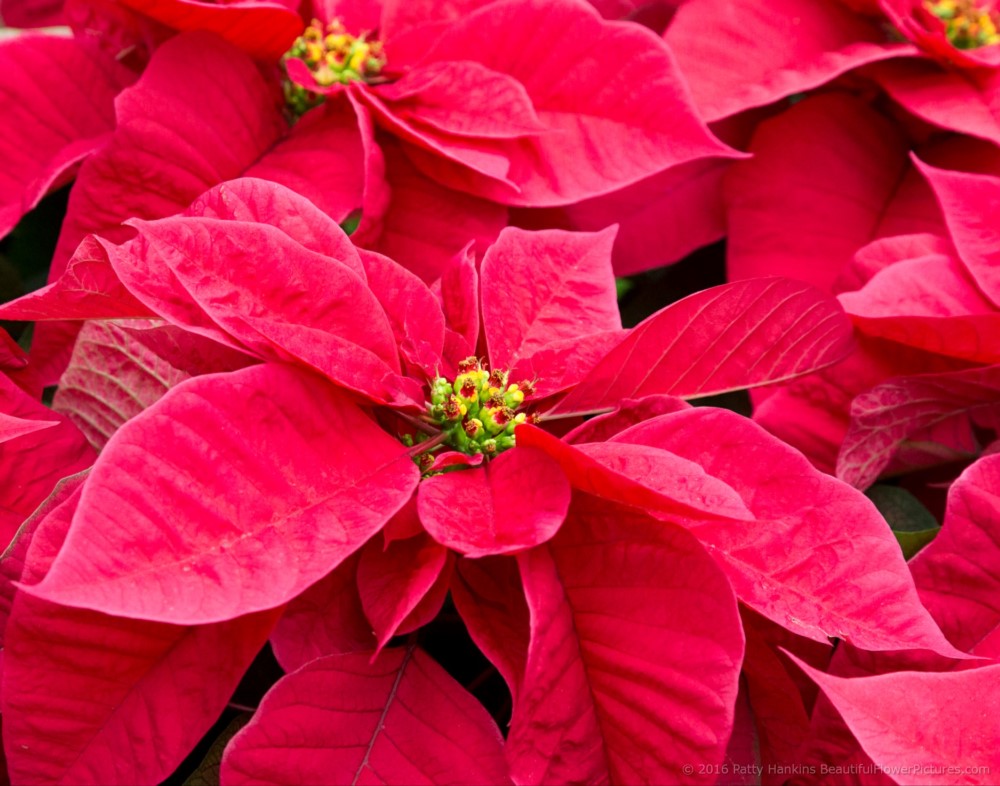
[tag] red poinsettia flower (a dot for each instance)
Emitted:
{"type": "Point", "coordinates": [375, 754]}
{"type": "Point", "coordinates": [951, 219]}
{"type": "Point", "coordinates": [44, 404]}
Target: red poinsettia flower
{"type": "Point", "coordinates": [517, 130]}
{"type": "Point", "coordinates": [534, 129]}
{"type": "Point", "coordinates": [739, 55]}
{"type": "Point", "coordinates": [247, 503]}
{"type": "Point", "coordinates": [925, 378]}
{"type": "Point", "coordinates": [458, 114]}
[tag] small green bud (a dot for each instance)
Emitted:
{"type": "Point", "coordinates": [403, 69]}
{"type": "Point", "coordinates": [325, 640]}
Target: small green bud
{"type": "Point", "coordinates": [505, 442]}
{"type": "Point", "coordinates": [440, 390]}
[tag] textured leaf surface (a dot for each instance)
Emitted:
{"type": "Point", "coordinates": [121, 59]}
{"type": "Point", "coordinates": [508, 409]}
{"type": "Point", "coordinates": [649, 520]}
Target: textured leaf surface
{"type": "Point", "coordinates": [806, 561]}
{"type": "Point", "coordinates": [93, 699]}
{"type": "Point", "coordinates": [459, 293]}
{"type": "Point", "coordinates": [261, 28]}
{"type": "Point", "coordinates": [89, 288]}
{"type": "Point", "coordinates": [620, 606]}
{"type": "Point", "coordinates": [43, 139]}
{"type": "Point", "coordinates": [628, 413]}
{"type": "Point", "coordinates": [13, 427]}
{"type": "Point", "coordinates": [426, 224]}
{"type": "Point", "coordinates": [966, 103]}
{"type": "Point", "coordinates": [827, 176]}
{"type": "Point", "coordinates": [415, 315]}
{"type": "Point", "coordinates": [561, 364]}
{"type": "Point", "coordinates": [487, 593]}
{"type": "Point", "coordinates": [326, 619]}
{"type": "Point", "coordinates": [397, 579]}
{"type": "Point", "coordinates": [255, 200]}
{"type": "Point", "coordinates": [929, 303]}
{"type": "Point", "coordinates": [120, 369]}
{"type": "Point", "coordinates": [32, 464]}
{"type": "Point", "coordinates": [252, 496]}
{"type": "Point", "coordinates": [515, 502]}
{"type": "Point", "coordinates": [956, 574]}
{"type": "Point", "coordinates": [540, 287]}
{"type": "Point", "coordinates": [930, 728]}
{"type": "Point", "coordinates": [813, 412]}
{"type": "Point", "coordinates": [327, 160]}
{"type": "Point", "coordinates": [650, 479]}
{"type": "Point", "coordinates": [223, 117]}
{"type": "Point", "coordinates": [883, 417]}
{"type": "Point", "coordinates": [757, 53]}
{"type": "Point", "coordinates": [463, 98]}
{"type": "Point", "coordinates": [660, 219]}
{"type": "Point", "coordinates": [253, 286]}
{"type": "Point", "coordinates": [728, 337]}
{"type": "Point", "coordinates": [13, 562]}
{"type": "Point", "coordinates": [969, 203]}
{"type": "Point", "coordinates": [608, 127]}
{"type": "Point", "coordinates": [342, 719]}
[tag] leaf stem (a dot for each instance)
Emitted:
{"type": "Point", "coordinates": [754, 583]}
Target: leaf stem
{"type": "Point", "coordinates": [430, 444]}
{"type": "Point", "coordinates": [418, 423]}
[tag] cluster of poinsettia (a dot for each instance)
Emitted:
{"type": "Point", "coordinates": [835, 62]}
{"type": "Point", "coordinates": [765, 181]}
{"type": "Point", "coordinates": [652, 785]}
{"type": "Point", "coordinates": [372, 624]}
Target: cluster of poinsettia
{"type": "Point", "coordinates": [333, 325]}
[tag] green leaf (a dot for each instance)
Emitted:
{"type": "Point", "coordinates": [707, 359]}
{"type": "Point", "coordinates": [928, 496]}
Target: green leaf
{"type": "Point", "coordinates": [624, 286]}
{"type": "Point", "coordinates": [350, 224]}
{"type": "Point", "coordinates": [913, 525]}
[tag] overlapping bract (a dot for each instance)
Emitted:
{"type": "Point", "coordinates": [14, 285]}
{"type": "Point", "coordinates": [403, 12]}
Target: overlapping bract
{"type": "Point", "coordinates": [212, 535]}
{"type": "Point", "coordinates": [277, 461]}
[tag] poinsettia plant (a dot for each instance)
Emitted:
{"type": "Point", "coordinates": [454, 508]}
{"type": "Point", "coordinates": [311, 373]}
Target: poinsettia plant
{"type": "Point", "coordinates": [375, 417]}
{"type": "Point", "coordinates": [337, 453]}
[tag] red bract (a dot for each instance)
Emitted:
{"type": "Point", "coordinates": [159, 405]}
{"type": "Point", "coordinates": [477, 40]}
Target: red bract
{"type": "Point", "coordinates": [453, 111]}
{"type": "Point", "coordinates": [441, 78]}
{"type": "Point", "coordinates": [364, 722]}
{"type": "Point", "coordinates": [887, 715]}
{"type": "Point", "coordinates": [926, 373]}
{"type": "Point", "coordinates": [189, 270]}
{"type": "Point", "coordinates": [244, 491]}
{"type": "Point", "coordinates": [118, 669]}
{"type": "Point", "coordinates": [739, 55]}
{"type": "Point", "coordinates": [828, 176]}
{"type": "Point", "coordinates": [38, 448]}
{"type": "Point", "coordinates": [956, 573]}
{"type": "Point", "coordinates": [46, 139]}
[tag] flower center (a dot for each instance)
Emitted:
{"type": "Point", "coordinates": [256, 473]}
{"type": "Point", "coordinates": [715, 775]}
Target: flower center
{"type": "Point", "coordinates": [967, 23]}
{"type": "Point", "coordinates": [333, 56]}
{"type": "Point", "coordinates": [478, 411]}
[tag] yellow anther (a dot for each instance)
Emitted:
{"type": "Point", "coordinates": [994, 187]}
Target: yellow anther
{"type": "Point", "coordinates": [968, 24]}
{"type": "Point", "coordinates": [337, 41]}
{"type": "Point", "coordinates": [314, 53]}
{"type": "Point", "coordinates": [358, 57]}
{"type": "Point", "coordinates": [324, 76]}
